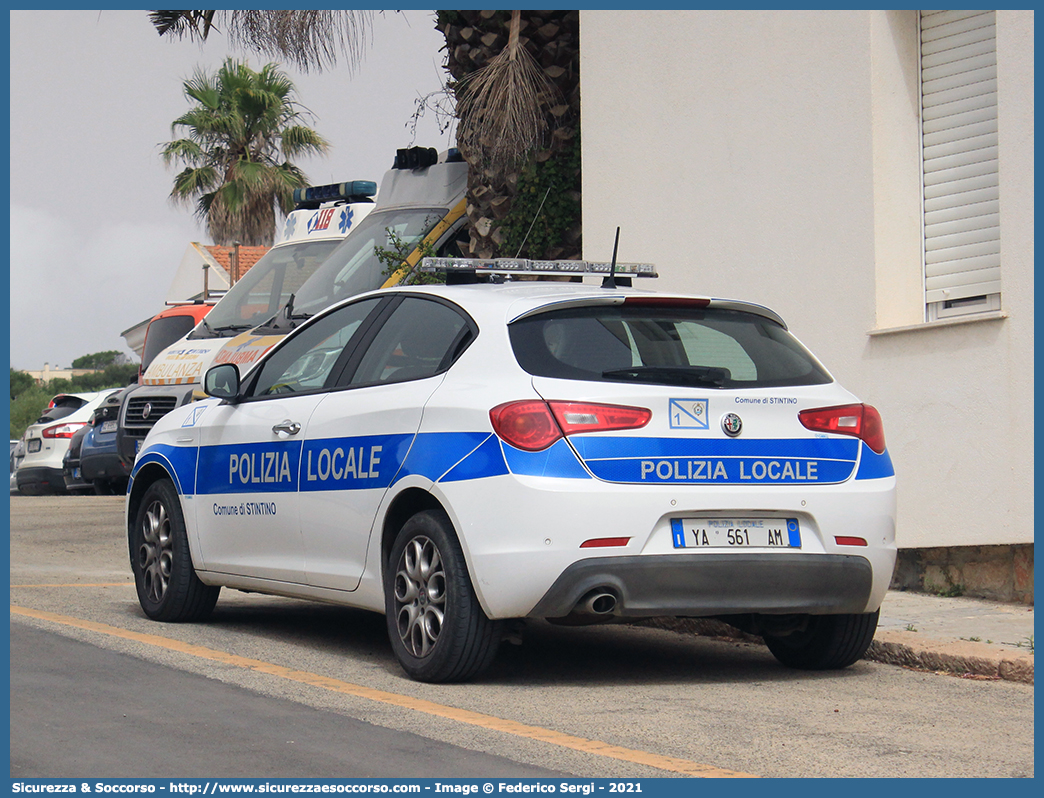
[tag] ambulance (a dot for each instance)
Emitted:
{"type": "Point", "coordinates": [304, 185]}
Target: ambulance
{"type": "Point", "coordinates": [323, 216]}
{"type": "Point", "coordinates": [421, 204]}
{"type": "Point", "coordinates": [420, 210]}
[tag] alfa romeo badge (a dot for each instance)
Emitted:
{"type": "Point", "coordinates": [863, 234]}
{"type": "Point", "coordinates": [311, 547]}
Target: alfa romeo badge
{"type": "Point", "coordinates": [731, 424]}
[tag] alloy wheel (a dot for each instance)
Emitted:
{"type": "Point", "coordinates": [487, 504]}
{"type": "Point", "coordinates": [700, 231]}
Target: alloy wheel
{"type": "Point", "coordinates": [420, 596]}
{"type": "Point", "coordinates": [156, 552]}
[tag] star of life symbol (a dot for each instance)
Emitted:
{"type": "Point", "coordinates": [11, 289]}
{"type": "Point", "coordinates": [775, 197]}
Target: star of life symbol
{"type": "Point", "coordinates": [291, 223]}
{"type": "Point", "coordinates": [688, 413]}
{"type": "Point", "coordinates": [347, 215]}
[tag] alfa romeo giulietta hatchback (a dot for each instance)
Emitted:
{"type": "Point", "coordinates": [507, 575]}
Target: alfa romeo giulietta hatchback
{"type": "Point", "coordinates": [457, 456]}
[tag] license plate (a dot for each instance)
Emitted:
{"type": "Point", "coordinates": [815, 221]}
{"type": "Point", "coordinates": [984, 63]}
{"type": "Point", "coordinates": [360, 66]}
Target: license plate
{"type": "Point", "coordinates": [108, 426]}
{"type": "Point", "coordinates": [733, 533]}
{"type": "Point", "coordinates": [76, 473]}
{"type": "Point", "coordinates": [137, 447]}
{"type": "Point", "coordinates": [34, 445]}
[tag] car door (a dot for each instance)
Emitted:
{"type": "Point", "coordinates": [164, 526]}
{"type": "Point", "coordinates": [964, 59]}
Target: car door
{"type": "Point", "coordinates": [250, 451]}
{"type": "Point", "coordinates": [359, 436]}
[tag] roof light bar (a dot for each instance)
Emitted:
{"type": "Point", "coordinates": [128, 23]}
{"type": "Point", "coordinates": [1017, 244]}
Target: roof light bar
{"type": "Point", "coordinates": [335, 191]}
{"type": "Point", "coordinates": [520, 266]}
{"type": "Point", "coordinates": [416, 158]}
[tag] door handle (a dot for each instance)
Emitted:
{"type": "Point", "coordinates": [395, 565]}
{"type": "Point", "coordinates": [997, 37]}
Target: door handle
{"type": "Point", "coordinates": [287, 427]}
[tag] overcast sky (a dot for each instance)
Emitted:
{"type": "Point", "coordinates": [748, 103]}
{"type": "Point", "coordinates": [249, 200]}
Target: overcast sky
{"type": "Point", "coordinates": [95, 241]}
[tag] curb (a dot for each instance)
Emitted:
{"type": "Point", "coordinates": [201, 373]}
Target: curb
{"type": "Point", "coordinates": [955, 657]}
{"type": "Point", "coordinates": [906, 649]}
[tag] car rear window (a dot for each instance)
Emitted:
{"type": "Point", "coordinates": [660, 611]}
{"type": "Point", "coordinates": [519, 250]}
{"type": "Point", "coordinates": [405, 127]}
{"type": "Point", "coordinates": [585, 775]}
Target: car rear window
{"type": "Point", "coordinates": [701, 347]}
{"type": "Point", "coordinates": [64, 405]}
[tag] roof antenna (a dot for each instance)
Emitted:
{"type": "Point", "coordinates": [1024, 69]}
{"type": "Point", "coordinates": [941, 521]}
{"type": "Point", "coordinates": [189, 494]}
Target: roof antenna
{"type": "Point", "coordinates": [610, 281]}
{"type": "Point", "coordinates": [535, 217]}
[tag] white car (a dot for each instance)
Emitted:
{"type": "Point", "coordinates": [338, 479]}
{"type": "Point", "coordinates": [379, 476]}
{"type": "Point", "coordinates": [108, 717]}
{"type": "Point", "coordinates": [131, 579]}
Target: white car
{"type": "Point", "coordinates": [457, 456]}
{"type": "Point", "coordinates": [46, 441]}
{"type": "Point", "coordinates": [16, 458]}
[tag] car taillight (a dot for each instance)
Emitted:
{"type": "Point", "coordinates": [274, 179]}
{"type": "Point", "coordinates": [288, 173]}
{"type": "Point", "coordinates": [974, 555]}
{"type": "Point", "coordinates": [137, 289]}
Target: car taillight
{"type": "Point", "coordinates": [525, 425]}
{"type": "Point", "coordinates": [587, 417]}
{"type": "Point", "coordinates": [859, 421]}
{"type": "Point", "coordinates": [61, 430]}
{"type": "Point", "coordinates": [535, 425]}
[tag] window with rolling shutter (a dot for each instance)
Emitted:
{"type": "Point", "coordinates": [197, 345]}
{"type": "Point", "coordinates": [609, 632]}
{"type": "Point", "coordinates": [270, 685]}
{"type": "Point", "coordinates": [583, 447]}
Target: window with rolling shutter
{"type": "Point", "coordinates": [959, 160]}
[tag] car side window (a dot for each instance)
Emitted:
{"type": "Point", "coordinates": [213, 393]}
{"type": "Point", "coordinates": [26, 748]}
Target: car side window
{"type": "Point", "coordinates": [420, 339]}
{"type": "Point", "coordinates": [306, 362]}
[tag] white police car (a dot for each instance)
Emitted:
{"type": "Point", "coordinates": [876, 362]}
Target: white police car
{"type": "Point", "coordinates": [455, 456]}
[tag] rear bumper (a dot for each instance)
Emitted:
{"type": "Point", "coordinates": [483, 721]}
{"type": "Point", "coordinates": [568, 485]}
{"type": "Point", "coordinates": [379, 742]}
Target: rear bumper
{"type": "Point", "coordinates": [35, 480]}
{"type": "Point", "coordinates": [530, 560]}
{"type": "Point", "coordinates": [107, 465]}
{"type": "Point", "coordinates": [727, 584]}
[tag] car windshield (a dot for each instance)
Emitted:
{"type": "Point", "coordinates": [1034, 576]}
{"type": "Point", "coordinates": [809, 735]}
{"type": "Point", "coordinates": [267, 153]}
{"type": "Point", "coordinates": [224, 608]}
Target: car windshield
{"type": "Point", "coordinates": [264, 288]}
{"type": "Point", "coordinates": [354, 267]}
{"type": "Point", "coordinates": [162, 333]}
{"type": "Point", "coordinates": [705, 348]}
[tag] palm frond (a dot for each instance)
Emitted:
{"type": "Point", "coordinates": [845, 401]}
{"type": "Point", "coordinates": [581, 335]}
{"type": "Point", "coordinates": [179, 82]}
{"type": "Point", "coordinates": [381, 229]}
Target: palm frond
{"type": "Point", "coordinates": [183, 150]}
{"type": "Point", "coordinates": [500, 107]}
{"type": "Point", "coordinates": [191, 182]}
{"type": "Point", "coordinates": [307, 38]}
{"type": "Point", "coordinates": [301, 140]}
{"type": "Point", "coordinates": [194, 24]}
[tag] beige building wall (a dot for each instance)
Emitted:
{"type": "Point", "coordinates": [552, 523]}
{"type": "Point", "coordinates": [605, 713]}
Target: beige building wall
{"type": "Point", "coordinates": [774, 156]}
{"type": "Point", "coordinates": [47, 374]}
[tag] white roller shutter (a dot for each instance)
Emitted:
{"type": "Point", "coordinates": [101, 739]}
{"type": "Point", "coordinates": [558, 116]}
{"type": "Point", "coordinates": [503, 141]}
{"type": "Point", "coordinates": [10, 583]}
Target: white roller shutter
{"type": "Point", "coordinates": [959, 140]}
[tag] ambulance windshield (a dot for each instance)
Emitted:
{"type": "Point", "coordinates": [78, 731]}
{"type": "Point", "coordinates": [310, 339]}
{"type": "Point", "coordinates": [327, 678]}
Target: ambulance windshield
{"type": "Point", "coordinates": [264, 289]}
{"type": "Point", "coordinates": [354, 266]}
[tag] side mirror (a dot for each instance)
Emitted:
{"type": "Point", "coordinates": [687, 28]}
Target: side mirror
{"type": "Point", "coordinates": [222, 382]}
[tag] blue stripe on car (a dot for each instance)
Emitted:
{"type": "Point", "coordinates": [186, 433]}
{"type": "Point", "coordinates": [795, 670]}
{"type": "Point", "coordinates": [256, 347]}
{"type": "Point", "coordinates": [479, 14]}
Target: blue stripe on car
{"type": "Point", "coordinates": [178, 461]}
{"type": "Point", "coordinates": [435, 453]}
{"type": "Point", "coordinates": [378, 461]}
{"type": "Point", "coordinates": [357, 463]}
{"type": "Point", "coordinates": [486, 460]}
{"type": "Point", "coordinates": [700, 461]}
{"type": "Point", "coordinates": [249, 468]}
{"type": "Point", "coordinates": [873, 465]}
{"type": "Point", "coordinates": [556, 461]}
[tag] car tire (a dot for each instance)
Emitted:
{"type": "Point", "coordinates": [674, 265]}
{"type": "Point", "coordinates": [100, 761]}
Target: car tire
{"type": "Point", "coordinates": [102, 487]}
{"type": "Point", "coordinates": [167, 585]}
{"type": "Point", "coordinates": [829, 642]}
{"type": "Point", "coordinates": [437, 628]}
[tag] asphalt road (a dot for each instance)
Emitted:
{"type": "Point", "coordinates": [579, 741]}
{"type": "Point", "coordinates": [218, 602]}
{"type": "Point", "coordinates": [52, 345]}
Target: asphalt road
{"type": "Point", "coordinates": [276, 687]}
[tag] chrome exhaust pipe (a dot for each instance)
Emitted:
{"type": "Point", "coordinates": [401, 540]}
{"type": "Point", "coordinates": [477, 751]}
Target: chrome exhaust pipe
{"type": "Point", "coordinates": [599, 603]}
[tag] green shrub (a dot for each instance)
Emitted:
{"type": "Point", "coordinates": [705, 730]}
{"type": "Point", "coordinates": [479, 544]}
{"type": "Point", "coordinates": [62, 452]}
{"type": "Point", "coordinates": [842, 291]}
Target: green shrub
{"type": "Point", "coordinates": [26, 408]}
{"type": "Point", "coordinates": [20, 381]}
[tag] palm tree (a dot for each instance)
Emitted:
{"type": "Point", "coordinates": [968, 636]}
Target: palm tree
{"type": "Point", "coordinates": [518, 132]}
{"type": "Point", "coordinates": [236, 147]}
{"type": "Point", "coordinates": [516, 78]}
